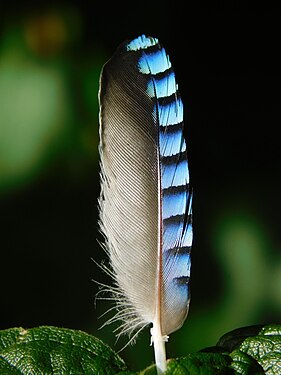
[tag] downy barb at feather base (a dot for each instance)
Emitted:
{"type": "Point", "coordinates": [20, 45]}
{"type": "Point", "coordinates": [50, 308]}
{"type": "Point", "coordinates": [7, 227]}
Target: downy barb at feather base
{"type": "Point", "coordinates": [146, 199]}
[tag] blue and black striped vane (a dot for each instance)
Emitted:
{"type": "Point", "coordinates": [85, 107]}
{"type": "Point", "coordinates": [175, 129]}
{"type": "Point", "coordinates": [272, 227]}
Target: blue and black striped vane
{"type": "Point", "coordinates": [146, 200]}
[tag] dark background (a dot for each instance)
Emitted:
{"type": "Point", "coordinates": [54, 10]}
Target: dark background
{"type": "Point", "coordinates": [227, 65]}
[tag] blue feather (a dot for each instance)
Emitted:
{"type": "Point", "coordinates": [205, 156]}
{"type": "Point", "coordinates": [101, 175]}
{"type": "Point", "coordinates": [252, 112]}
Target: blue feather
{"type": "Point", "coordinates": [146, 200]}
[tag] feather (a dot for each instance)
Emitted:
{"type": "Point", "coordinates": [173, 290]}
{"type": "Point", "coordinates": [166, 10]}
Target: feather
{"type": "Point", "coordinates": [145, 201]}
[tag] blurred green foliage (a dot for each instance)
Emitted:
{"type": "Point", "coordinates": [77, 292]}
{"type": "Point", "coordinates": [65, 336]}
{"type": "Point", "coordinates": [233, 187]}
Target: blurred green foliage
{"type": "Point", "coordinates": [48, 97]}
{"type": "Point", "coordinates": [49, 76]}
{"type": "Point", "coordinates": [34, 116]}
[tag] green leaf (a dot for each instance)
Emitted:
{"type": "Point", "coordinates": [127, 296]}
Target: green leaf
{"type": "Point", "coordinates": [255, 350]}
{"type": "Point", "coordinates": [51, 350]}
{"type": "Point", "coordinates": [233, 339]}
{"type": "Point", "coordinates": [196, 364]}
{"type": "Point", "coordinates": [244, 364]}
{"type": "Point", "coordinates": [151, 370]}
{"type": "Point", "coordinates": [200, 364]}
{"type": "Point", "coordinates": [265, 348]}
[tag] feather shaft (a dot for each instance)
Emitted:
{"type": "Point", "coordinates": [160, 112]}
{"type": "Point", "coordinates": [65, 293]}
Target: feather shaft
{"type": "Point", "coordinates": [159, 348]}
